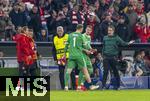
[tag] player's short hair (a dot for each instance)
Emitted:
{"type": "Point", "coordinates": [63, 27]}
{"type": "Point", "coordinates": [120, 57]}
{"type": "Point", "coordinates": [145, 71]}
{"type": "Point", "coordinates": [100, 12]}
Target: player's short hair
{"type": "Point", "coordinates": [112, 27]}
{"type": "Point", "coordinates": [89, 26]}
{"type": "Point", "coordinates": [79, 26]}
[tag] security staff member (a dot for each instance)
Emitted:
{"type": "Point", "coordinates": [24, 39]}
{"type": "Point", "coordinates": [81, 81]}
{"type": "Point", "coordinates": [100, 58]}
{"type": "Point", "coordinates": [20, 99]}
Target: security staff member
{"type": "Point", "coordinates": [59, 42]}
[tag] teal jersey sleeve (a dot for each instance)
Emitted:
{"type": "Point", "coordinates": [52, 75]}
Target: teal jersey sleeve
{"type": "Point", "coordinates": [89, 42]}
{"type": "Point", "coordinates": [121, 42]}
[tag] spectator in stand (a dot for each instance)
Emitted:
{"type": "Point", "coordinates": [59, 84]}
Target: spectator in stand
{"type": "Point", "coordinates": [122, 13]}
{"type": "Point", "coordinates": [65, 10]}
{"type": "Point", "coordinates": [142, 30]}
{"type": "Point", "coordinates": [9, 29]}
{"type": "Point", "coordinates": [141, 62]}
{"type": "Point", "coordinates": [51, 21]}
{"type": "Point", "coordinates": [114, 14]}
{"type": "Point", "coordinates": [98, 10]}
{"type": "Point", "coordinates": [95, 67]}
{"type": "Point", "coordinates": [58, 6]}
{"type": "Point", "coordinates": [18, 16]}
{"type": "Point", "coordinates": [6, 29]}
{"type": "Point", "coordinates": [104, 25]}
{"type": "Point", "coordinates": [92, 19]}
{"type": "Point", "coordinates": [133, 3]}
{"type": "Point", "coordinates": [84, 4]}
{"type": "Point", "coordinates": [140, 9]}
{"type": "Point", "coordinates": [104, 5]}
{"type": "Point", "coordinates": [72, 3]}
{"type": "Point", "coordinates": [122, 28]}
{"type": "Point", "coordinates": [132, 21]}
{"type": "Point", "coordinates": [144, 66]}
{"type": "Point", "coordinates": [35, 22]}
{"type": "Point", "coordinates": [62, 20]}
{"type": "Point", "coordinates": [117, 4]}
{"type": "Point", "coordinates": [76, 17]}
{"type": "Point", "coordinates": [7, 6]}
{"type": "Point", "coordinates": [137, 71]}
{"type": "Point", "coordinates": [99, 63]}
{"type": "Point", "coordinates": [43, 13]}
{"type": "Point", "coordinates": [43, 35]}
{"type": "Point", "coordinates": [49, 5]}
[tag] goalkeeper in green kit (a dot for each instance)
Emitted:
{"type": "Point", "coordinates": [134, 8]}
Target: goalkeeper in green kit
{"type": "Point", "coordinates": [87, 41]}
{"type": "Point", "coordinates": [75, 44]}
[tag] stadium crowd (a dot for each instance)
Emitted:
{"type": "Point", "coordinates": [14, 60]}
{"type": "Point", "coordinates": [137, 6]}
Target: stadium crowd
{"type": "Point", "coordinates": [130, 17]}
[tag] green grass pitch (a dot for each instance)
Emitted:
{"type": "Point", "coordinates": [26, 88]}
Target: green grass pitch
{"type": "Point", "coordinates": [106, 95]}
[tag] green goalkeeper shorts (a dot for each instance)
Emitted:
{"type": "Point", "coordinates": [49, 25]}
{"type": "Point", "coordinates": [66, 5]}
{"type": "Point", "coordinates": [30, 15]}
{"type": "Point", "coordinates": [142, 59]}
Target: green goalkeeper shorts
{"type": "Point", "coordinates": [77, 62]}
{"type": "Point", "coordinates": [88, 63]}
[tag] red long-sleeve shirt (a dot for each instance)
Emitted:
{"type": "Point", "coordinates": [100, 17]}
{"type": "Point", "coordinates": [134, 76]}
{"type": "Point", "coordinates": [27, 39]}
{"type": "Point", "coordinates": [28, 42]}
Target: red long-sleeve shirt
{"type": "Point", "coordinates": [24, 50]}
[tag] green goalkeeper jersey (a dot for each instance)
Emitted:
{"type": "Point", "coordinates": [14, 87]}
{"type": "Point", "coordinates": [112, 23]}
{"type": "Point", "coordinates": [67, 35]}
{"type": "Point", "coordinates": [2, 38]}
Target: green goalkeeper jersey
{"type": "Point", "coordinates": [75, 44]}
{"type": "Point", "coordinates": [87, 41]}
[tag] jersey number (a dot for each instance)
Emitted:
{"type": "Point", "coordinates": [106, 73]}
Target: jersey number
{"type": "Point", "coordinates": [74, 41]}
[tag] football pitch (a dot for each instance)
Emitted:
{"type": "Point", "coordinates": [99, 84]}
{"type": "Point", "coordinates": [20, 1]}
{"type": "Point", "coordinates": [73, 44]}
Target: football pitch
{"type": "Point", "coordinates": [105, 95]}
